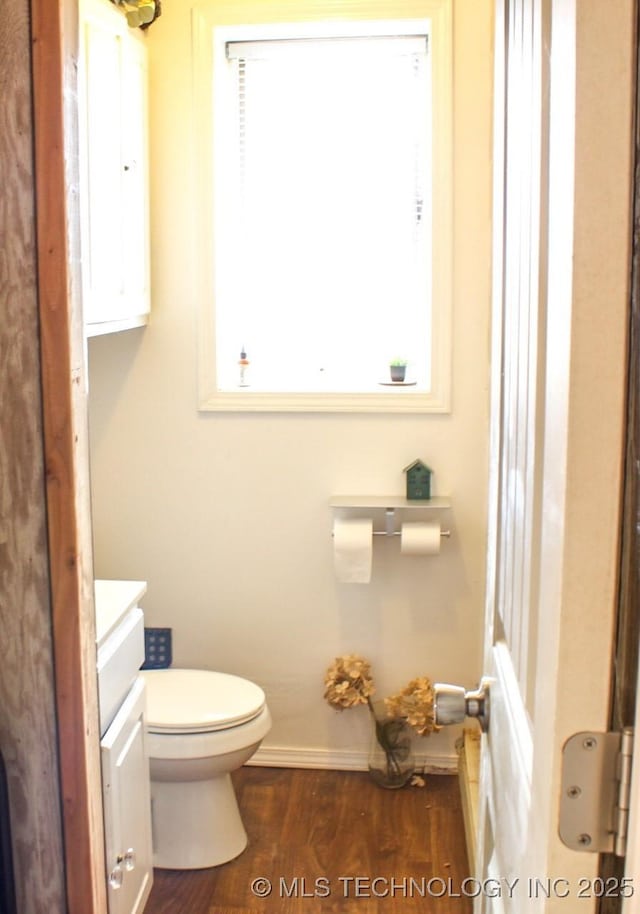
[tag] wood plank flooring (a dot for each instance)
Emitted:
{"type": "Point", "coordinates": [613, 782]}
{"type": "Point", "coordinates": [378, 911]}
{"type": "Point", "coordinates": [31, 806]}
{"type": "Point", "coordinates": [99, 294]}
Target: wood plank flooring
{"type": "Point", "coordinates": [332, 842]}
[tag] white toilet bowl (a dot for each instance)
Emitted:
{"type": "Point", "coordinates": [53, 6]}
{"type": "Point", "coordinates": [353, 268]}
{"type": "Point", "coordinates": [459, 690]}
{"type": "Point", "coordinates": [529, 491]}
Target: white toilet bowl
{"type": "Point", "coordinates": [200, 726]}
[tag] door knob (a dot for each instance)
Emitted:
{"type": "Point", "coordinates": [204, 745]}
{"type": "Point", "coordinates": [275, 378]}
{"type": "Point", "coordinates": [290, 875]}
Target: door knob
{"type": "Point", "coordinates": [453, 703]}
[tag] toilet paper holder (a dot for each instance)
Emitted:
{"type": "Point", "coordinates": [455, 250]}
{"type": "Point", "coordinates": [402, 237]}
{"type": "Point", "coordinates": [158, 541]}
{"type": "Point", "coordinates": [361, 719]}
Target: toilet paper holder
{"type": "Point", "coordinates": [358, 501]}
{"type": "Point", "coordinates": [390, 524]}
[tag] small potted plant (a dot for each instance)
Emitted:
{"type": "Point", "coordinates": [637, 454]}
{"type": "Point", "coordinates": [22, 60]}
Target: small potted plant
{"type": "Point", "coordinates": [398, 368]}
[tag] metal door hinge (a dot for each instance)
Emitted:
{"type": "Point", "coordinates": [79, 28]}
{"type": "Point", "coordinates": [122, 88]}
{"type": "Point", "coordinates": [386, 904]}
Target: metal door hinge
{"type": "Point", "coordinates": [596, 785]}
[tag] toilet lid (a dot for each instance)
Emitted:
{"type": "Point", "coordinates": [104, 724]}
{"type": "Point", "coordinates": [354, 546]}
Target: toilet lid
{"type": "Point", "coordinates": [198, 701]}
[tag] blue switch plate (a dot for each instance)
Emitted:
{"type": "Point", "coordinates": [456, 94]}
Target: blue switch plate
{"type": "Point", "coordinates": [157, 649]}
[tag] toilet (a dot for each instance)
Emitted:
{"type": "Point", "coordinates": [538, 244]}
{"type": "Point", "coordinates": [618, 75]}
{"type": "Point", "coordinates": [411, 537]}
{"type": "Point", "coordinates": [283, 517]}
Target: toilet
{"type": "Point", "coordinates": [200, 726]}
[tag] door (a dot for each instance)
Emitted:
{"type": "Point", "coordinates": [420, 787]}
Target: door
{"type": "Point", "coordinates": [561, 267]}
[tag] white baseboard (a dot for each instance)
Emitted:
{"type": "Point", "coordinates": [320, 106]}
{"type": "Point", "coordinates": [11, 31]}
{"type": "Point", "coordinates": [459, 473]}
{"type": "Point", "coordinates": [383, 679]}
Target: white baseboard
{"type": "Point", "coordinates": [341, 760]}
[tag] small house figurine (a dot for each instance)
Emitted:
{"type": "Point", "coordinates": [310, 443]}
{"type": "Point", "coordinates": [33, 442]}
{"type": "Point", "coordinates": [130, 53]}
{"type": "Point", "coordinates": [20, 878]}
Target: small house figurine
{"type": "Point", "coordinates": [418, 481]}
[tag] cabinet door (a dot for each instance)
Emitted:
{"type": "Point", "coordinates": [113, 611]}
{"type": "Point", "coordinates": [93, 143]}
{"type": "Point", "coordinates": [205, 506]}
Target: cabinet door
{"type": "Point", "coordinates": [127, 806]}
{"type": "Point", "coordinates": [135, 164]}
{"type": "Point", "coordinates": [112, 95]}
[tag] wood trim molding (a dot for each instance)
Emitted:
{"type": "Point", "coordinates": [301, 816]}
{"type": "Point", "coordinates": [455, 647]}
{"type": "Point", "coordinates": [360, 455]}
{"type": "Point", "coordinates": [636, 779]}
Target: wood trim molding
{"type": "Point", "coordinates": [28, 735]}
{"type": "Point", "coordinates": [66, 455]}
{"type": "Point", "coordinates": [469, 778]}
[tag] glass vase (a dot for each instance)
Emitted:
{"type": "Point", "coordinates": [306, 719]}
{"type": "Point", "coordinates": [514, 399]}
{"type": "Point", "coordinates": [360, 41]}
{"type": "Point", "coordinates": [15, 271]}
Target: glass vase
{"type": "Point", "coordinates": [391, 762]}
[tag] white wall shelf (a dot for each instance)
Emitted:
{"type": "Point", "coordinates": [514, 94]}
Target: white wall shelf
{"type": "Point", "coordinates": [388, 501]}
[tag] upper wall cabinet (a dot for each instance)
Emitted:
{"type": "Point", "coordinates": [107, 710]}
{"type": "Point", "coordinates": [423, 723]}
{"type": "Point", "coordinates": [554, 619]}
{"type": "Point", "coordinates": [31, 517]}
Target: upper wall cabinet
{"type": "Point", "coordinates": [112, 86]}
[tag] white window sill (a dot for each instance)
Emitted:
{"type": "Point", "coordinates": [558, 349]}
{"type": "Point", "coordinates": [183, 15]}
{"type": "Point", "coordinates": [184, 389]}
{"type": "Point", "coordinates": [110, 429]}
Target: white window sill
{"type": "Point", "coordinates": [392, 400]}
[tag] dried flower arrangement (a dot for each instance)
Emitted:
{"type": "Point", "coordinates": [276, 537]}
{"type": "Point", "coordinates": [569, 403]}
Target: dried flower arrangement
{"type": "Point", "coordinates": [349, 682]}
{"type": "Point", "coordinates": [140, 13]}
{"type": "Point", "coordinates": [415, 703]}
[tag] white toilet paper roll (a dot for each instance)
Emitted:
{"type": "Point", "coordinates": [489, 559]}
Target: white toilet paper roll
{"type": "Point", "coordinates": [420, 539]}
{"type": "Point", "coordinates": [352, 550]}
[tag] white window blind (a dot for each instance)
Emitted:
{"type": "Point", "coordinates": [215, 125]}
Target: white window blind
{"type": "Point", "coordinates": [324, 273]}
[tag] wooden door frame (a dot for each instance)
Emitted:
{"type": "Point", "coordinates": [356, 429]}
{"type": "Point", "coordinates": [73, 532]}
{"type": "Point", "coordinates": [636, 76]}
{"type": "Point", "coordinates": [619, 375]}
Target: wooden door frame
{"type": "Point", "coordinates": [54, 58]}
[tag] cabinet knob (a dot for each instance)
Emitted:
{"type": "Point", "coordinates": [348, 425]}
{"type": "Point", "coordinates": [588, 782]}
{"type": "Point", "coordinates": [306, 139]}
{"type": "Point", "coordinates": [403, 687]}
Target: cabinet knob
{"type": "Point", "coordinates": [115, 877]}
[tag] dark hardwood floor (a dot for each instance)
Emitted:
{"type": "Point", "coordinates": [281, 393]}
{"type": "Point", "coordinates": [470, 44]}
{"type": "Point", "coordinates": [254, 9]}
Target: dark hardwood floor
{"type": "Point", "coordinates": [331, 841]}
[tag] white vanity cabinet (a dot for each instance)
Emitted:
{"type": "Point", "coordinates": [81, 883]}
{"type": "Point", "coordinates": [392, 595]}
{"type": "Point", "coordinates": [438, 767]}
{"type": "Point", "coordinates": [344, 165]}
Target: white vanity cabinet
{"type": "Point", "coordinates": [125, 764]}
{"type": "Point", "coordinates": [112, 106]}
{"type": "Point", "coordinates": [126, 801]}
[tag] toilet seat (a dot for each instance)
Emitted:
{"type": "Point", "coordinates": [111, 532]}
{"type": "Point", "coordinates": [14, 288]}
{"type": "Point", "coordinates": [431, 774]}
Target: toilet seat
{"type": "Point", "coordinates": [199, 701]}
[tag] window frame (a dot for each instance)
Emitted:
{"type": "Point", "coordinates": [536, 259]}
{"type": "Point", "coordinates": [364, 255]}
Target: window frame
{"type": "Point", "coordinates": [212, 28]}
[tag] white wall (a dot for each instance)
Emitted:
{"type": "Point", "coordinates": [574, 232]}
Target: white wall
{"type": "Point", "coordinates": [226, 516]}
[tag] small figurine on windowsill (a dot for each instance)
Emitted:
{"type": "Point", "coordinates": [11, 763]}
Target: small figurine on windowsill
{"type": "Point", "coordinates": [243, 364]}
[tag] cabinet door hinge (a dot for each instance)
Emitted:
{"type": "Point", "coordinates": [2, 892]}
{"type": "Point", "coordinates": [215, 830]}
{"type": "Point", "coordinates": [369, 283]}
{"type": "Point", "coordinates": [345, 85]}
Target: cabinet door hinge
{"type": "Point", "coordinates": [596, 786]}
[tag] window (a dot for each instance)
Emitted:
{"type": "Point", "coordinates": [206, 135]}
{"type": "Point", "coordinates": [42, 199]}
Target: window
{"type": "Point", "coordinates": [324, 273]}
{"type": "Point", "coordinates": [327, 219]}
